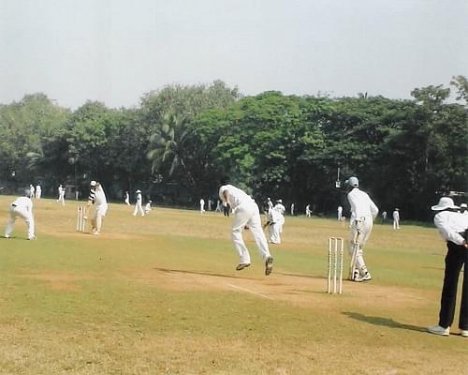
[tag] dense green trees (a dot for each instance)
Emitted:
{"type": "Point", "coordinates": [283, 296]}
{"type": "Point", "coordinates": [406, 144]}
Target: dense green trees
{"type": "Point", "coordinates": [183, 139]}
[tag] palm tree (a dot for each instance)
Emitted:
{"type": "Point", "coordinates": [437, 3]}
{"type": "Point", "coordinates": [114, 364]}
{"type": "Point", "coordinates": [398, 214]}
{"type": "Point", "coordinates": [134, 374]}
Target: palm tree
{"type": "Point", "coordinates": [167, 145]}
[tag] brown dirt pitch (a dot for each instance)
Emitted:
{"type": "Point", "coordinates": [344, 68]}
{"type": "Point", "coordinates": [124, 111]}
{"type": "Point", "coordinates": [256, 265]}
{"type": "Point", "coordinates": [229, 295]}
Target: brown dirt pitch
{"type": "Point", "coordinates": [160, 295]}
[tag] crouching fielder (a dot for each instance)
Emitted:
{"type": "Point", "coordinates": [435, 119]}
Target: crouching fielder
{"type": "Point", "coordinates": [363, 213]}
{"type": "Point", "coordinates": [246, 213]}
{"type": "Point", "coordinates": [21, 207]}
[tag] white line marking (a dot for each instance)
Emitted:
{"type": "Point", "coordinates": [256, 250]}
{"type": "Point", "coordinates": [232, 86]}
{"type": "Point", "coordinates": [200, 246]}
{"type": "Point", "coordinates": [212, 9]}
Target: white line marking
{"type": "Point", "coordinates": [250, 291]}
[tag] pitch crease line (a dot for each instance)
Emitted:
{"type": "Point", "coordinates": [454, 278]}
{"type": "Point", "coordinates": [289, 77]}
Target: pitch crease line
{"type": "Point", "coordinates": [250, 291]}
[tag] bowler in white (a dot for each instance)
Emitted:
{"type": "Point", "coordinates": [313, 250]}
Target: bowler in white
{"type": "Point", "coordinates": [246, 213]}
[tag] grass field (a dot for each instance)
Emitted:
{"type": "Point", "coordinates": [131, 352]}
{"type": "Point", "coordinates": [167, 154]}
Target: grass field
{"type": "Point", "coordinates": [160, 295]}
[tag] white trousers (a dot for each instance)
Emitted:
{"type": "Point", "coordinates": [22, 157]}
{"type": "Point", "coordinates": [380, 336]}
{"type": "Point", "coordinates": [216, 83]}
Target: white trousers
{"type": "Point", "coordinates": [99, 213]}
{"type": "Point", "coordinates": [27, 216]}
{"type": "Point", "coordinates": [248, 214]}
{"type": "Point", "coordinates": [360, 232]}
{"type": "Point", "coordinates": [138, 209]}
{"type": "Point", "coordinates": [274, 235]}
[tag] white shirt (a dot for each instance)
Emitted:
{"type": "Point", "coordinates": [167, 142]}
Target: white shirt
{"type": "Point", "coordinates": [396, 215]}
{"type": "Point", "coordinates": [24, 202]}
{"type": "Point", "coordinates": [361, 204]}
{"type": "Point", "coordinates": [100, 197]}
{"type": "Point", "coordinates": [280, 208]}
{"type": "Point", "coordinates": [234, 196]}
{"type": "Point", "coordinates": [450, 225]}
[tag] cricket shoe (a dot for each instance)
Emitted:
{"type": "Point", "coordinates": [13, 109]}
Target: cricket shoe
{"type": "Point", "coordinates": [464, 332]}
{"type": "Point", "coordinates": [241, 266]}
{"type": "Point", "coordinates": [361, 278]}
{"type": "Point", "coordinates": [438, 330]}
{"type": "Point", "coordinates": [268, 265]}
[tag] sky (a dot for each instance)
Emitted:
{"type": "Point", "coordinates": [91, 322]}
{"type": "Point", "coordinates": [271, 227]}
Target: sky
{"type": "Point", "coordinates": [115, 51]}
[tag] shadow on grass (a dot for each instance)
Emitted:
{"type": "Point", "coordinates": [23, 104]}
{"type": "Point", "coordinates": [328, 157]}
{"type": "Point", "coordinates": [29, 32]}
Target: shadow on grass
{"type": "Point", "coordinates": [202, 273]}
{"type": "Point", "coordinates": [386, 322]}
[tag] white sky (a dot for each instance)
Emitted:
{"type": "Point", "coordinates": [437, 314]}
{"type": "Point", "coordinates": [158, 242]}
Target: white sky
{"type": "Point", "coordinates": [114, 51]}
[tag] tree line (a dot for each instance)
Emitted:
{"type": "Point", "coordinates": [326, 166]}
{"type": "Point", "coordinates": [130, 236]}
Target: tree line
{"type": "Point", "coordinates": [181, 140]}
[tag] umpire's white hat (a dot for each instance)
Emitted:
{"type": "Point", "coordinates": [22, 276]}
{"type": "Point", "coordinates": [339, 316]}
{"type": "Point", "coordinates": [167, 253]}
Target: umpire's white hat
{"type": "Point", "coordinates": [444, 203]}
{"type": "Point", "coordinates": [93, 183]}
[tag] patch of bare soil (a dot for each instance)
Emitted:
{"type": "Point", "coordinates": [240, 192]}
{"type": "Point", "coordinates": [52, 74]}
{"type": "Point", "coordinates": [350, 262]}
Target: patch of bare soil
{"type": "Point", "coordinates": [291, 288]}
{"type": "Point", "coordinates": [57, 281]}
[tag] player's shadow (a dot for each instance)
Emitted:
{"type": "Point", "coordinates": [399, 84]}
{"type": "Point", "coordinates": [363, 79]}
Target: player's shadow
{"type": "Point", "coordinates": [386, 322]}
{"type": "Point", "coordinates": [202, 273]}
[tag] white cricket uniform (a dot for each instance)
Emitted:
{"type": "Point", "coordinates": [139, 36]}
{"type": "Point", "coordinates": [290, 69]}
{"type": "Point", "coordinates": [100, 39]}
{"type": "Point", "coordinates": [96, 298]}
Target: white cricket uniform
{"type": "Point", "coordinates": [61, 197]}
{"type": "Point", "coordinates": [281, 210]}
{"type": "Point", "coordinates": [396, 219]}
{"type": "Point", "coordinates": [138, 206]}
{"type": "Point", "coordinates": [148, 208]}
{"type": "Point", "coordinates": [21, 207]}
{"type": "Point", "coordinates": [363, 212]}
{"type": "Point", "coordinates": [100, 208]}
{"type": "Point", "coordinates": [274, 220]}
{"type": "Point", "coordinates": [245, 212]}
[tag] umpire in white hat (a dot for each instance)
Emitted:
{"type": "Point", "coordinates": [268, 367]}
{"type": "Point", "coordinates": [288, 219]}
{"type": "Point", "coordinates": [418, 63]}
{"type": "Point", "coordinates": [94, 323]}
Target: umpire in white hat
{"type": "Point", "coordinates": [452, 227]}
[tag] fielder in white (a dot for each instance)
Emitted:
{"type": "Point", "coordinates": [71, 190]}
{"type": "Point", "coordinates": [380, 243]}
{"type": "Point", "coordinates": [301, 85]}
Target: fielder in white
{"type": "Point", "coordinates": [281, 210]}
{"type": "Point", "coordinates": [396, 219]}
{"type": "Point", "coordinates": [363, 213]}
{"type": "Point", "coordinates": [246, 213]}
{"type": "Point", "coordinates": [21, 207]}
{"type": "Point", "coordinates": [148, 207]}
{"type": "Point", "coordinates": [97, 197]}
{"type": "Point", "coordinates": [273, 226]}
{"type": "Point", "coordinates": [138, 205]}
{"type": "Point", "coordinates": [61, 195]}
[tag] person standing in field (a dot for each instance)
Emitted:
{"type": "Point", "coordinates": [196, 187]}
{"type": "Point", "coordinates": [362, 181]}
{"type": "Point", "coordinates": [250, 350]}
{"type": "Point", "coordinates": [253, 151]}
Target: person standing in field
{"type": "Point", "coordinates": [452, 227]}
{"type": "Point", "coordinates": [281, 210]}
{"type": "Point", "coordinates": [22, 207]}
{"type": "Point", "coordinates": [202, 205]}
{"type": "Point", "coordinates": [308, 212]}
{"type": "Point", "coordinates": [127, 198]}
{"type": "Point", "coordinates": [340, 213]}
{"type": "Point", "coordinates": [273, 225]}
{"type": "Point", "coordinates": [246, 213]}
{"type": "Point", "coordinates": [384, 217]}
{"type": "Point", "coordinates": [97, 197]}
{"type": "Point", "coordinates": [363, 213]}
{"type": "Point", "coordinates": [396, 218]}
{"type": "Point", "coordinates": [138, 205]}
{"type": "Point", "coordinates": [38, 191]}
{"type": "Point", "coordinates": [31, 191]}
{"type": "Point", "coordinates": [61, 195]}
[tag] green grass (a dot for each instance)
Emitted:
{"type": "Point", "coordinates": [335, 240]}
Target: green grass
{"type": "Point", "coordinates": [159, 295]}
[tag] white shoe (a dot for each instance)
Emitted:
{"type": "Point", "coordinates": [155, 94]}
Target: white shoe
{"type": "Point", "coordinates": [464, 333]}
{"type": "Point", "coordinates": [438, 330]}
{"type": "Point", "coordinates": [360, 278]}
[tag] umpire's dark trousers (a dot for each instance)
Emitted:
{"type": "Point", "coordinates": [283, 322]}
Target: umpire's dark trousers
{"type": "Point", "coordinates": [456, 257]}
